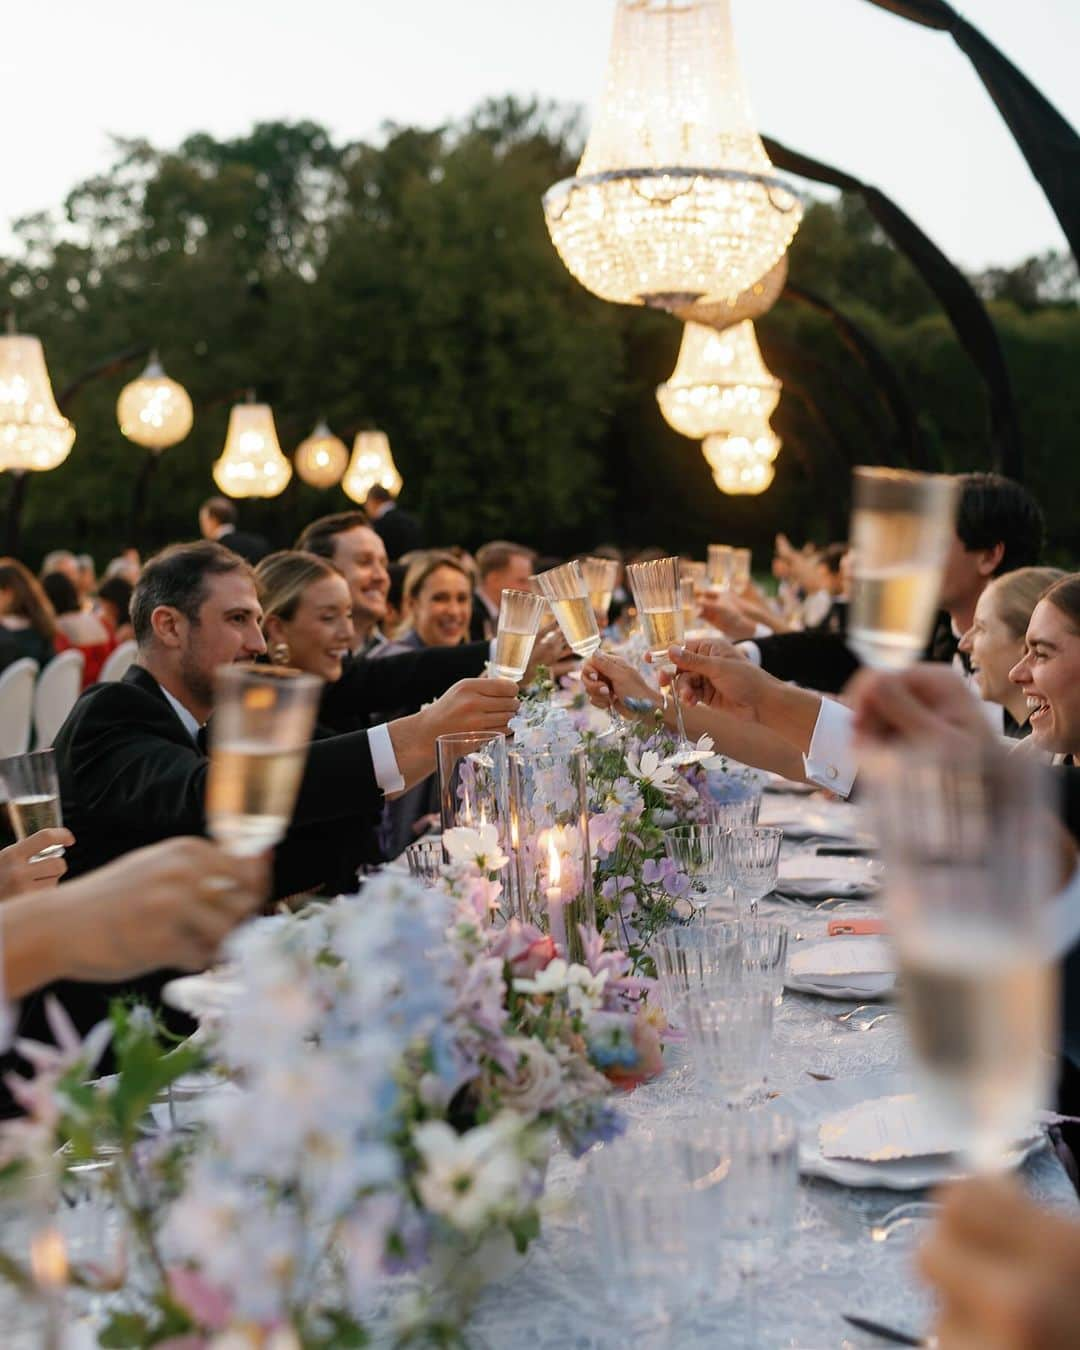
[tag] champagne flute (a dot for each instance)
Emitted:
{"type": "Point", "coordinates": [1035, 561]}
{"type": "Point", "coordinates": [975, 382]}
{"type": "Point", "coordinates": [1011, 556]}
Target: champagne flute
{"type": "Point", "coordinates": [901, 529]}
{"type": "Point", "coordinates": [740, 570]}
{"type": "Point", "coordinates": [969, 869]}
{"type": "Point", "coordinates": [688, 597]}
{"type": "Point", "coordinates": [565, 591]}
{"type": "Point", "coordinates": [519, 620]}
{"type": "Point", "coordinates": [33, 797]}
{"type": "Point", "coordinates": [600, 576]}
{"type": "Point", "coordinates": [718, 567]}
{"type": "Point", "coordinates": [659, 604]}
{"type": "Point", "coordinates": [259, 738]}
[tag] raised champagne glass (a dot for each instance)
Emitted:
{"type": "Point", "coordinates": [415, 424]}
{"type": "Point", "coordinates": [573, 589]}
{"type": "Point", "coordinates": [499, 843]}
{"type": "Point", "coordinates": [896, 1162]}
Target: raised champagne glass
{"type": "Point", "coordinates": [520, 613]}
{"type": "Point", "coordinates": [901, 529]}
{"type": "Point", "coordinates": [259, 738]}
{"type": "Point", "coordinates": [600, 576]}
{"type": "Point", "coordinates": [565, 591]}
{"type": "Point", "coordinates": [659, 605]}
{"type": "Point", "coordinates": [969, 871]}
{"type": "Point", "coordinates": [33, 797]}
{"type": "Point", "coordinates": [718, 567]}
{"type": "Point", "coordinates": [741, 559]}
{"type": "Point", "coordinates": [688, 596]}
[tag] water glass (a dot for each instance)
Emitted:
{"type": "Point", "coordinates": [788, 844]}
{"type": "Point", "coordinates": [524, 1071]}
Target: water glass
{"type": "Point", "coordinates": [33, 797]}
{"type": "Point", "coordinates": [696, 960]}
{"type": "Point", "coordinates": [765, 944]}
{"type": "Point", "coordinates": [425, 859]}
{"type": "Point", "coordinates": [600, 576]}
{"type": "Point", "coordinates": [259, 738]}
{"type": "Point", "coordinates": [755, 856]}
{"type": "Point", "coordinates": [703, 853]}
{"type": "Point", "coordinates": [731, 815]}
{"type": "Point", "coordinates": [565, 591]}
{"type": "Point", "coordinates": [729, 1039]}
{"type": "Point", "coordinates": [901, 531]}
{"type": "Point", "coordinates": [520, 613]}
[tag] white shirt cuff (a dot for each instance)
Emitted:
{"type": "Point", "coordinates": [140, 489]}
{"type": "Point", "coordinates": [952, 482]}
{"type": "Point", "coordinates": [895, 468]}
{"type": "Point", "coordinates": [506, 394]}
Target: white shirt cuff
{"type": "Point", "coordinates": [830, 761]}
{"type": "Point", "coordinates": [762, 630]}
{"type": "Point", "coordinates": [751, 651]}
{"type": "Point", "coordinates": [384, 761]}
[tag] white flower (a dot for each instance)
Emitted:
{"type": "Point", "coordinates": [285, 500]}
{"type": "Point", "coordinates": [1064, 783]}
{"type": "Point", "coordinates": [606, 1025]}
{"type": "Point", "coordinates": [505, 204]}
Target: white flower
{"type": "Point", "coordinates": [552, 979]}
{"type": "Point", "coordinates": [475, 1178]}
{"type": "Point", "coordinates": [701, 753]}
{"type": "Point", "coordinates": [585, 991]}
{"type": "Point", "coordinates": [478, 846]}
{"type": "Point", "coordinates": [536, 1084]}
{"type": "Point", "coordinates": [651, 769]}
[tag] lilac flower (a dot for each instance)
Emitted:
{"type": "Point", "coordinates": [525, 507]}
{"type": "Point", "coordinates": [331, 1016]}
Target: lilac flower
{"type": "Point", "coordinates": [590, 1122]}
{"type": "Point", "coordinates": [615, 888]}
{"type": "Point", "coordinates": [604, 831]}
{"type": "Point", "coordinates": [665, 872]}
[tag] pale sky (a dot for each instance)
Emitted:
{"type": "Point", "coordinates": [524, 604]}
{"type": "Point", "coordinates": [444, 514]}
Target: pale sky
{"type": "Point", "coordinates": [843, 81]}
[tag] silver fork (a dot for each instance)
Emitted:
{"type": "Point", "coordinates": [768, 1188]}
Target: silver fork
{"type": "Point", "coordinates": [852, 1023]}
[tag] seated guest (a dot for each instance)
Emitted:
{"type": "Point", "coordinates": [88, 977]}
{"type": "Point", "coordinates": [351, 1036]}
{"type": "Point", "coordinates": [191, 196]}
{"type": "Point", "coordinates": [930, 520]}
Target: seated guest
{"type": "Point", "coordinates": [436, 605]}
{"type": "Point", "coordinates": [501, 566]}
{"type": "Point", "coordinates": [114, 606]}
{"type": "Point", "coordinates": [217, 521]}
{"type": "Point", "coordinates": [360, 556]}
{"type": "Point", "coordinates": [995, 641]}
{"type": "Point", "coordinates": [25, 612]}
{"type": "Point", "coordinates": [1048, 673]}
{"type": "Point", "coordinates": [61, 560]}
{"type": "Point", "coordinates": [399, 531]}
{"type": "Point", "coordinates": [87, 582]}
{"type": "Point", "coordinates": [172, 903]}
{"type": "Point", "coordinates": [130, 756]}
{"type": "Point", "coordinates": [78, 629]}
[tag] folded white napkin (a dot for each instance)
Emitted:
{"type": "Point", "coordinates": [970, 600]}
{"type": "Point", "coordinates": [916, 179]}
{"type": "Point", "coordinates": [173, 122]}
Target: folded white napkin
{"type": "Point", "coordinates": [835, 960]}
{"type": "Point", "coordinates": [884, 1129]}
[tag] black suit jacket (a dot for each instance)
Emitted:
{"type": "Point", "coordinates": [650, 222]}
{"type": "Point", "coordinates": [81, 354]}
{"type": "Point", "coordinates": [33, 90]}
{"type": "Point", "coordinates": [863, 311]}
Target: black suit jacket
{"type": "Point", "coordinates": [399, 531]}
{"type": "Point", "coordinates": [253, 547]}
{"type": "Point", "coordinates": [481, 624]}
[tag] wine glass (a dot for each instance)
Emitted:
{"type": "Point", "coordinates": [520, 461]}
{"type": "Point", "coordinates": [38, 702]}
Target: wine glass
{"type": "Point", "coordinates": [33, 797]}
{"type": "Point", "coordinates": [901, 529]}
{"type": "Point", "coordinates": [755, 857]}
{"type": "Point", "coordinates": [519, 620]}
{"type": "Point", "coordinates": [600, 576]}
{"type": "Point", "coordinates": [565, 591]}
{"type": "Point", "coordinates": [659, 605]}
{"type": "Point", "coordinates": [259, 738]}
{"type": "Point", "coordinates": [969, 869]}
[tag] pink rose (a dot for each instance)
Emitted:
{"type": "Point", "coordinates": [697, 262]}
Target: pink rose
{"type": "Point", "coordinates": [535, 958]}
{"type": "Point", "coordinates": [207, 1305]}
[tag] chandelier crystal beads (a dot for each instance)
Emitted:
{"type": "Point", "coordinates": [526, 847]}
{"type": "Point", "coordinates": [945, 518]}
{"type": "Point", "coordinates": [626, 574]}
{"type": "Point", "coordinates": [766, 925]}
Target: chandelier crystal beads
{"type": "Point", "coordinates": [34, 434]}
{"type": "Point", "coordinates": [251, 464]}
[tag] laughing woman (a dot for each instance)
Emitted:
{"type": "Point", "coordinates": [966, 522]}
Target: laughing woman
{"type": "Point", "coordinates": [995, 640]}
{"type": "Point", "coordinates": [436, 602]}
{"type": "Point", "coordinates": [1048, 674]}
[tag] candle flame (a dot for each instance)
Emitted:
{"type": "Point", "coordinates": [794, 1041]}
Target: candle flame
{"type": "Point", "coordinates": [554, 861]}
{"type": "Point", "coordinates": [483, 815]}
{"type": "Point", "coordinates": [48, 1259]}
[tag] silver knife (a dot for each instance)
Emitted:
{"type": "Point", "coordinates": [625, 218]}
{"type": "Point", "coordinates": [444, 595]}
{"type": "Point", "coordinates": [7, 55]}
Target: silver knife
{"type": "Point", "coordinates": [889, 1333]}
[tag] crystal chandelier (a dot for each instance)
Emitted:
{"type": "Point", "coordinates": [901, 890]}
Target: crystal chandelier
{"type": "Point", "coordinates": [742, 465]}
{"type": "Point", "coordinates": [752, 303]}
{"type": "Point", "coordinates": [154, 410]}
{"type": "Point", "coordinates": [320, 460]}
{"type": "Point", "coordinates": [34, 434]}
{"type": "Point", "coordinates": [719, 384]}
{"type": "Point", "coordinates": [371, 463]}
{"type": "Point", "coordinates": [251, 464]}
{"type": "Point", "coordinates": [675, 200]}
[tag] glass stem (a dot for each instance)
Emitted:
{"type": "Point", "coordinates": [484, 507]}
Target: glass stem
{"type": "Point", "coordinates": [672, 692]}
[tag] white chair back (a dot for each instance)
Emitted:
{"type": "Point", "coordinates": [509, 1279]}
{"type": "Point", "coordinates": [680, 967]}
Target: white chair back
{"type": "Point", "coordinates": [16, 706]}
{"type": "Point", "coordinates": [57, 689]}
{"type": "Point", "coordinates": [118, 660]}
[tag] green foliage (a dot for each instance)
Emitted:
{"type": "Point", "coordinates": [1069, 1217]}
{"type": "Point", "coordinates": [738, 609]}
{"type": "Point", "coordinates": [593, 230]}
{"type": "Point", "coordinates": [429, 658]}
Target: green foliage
{"type": "Point", "coordinates": [411, 284]}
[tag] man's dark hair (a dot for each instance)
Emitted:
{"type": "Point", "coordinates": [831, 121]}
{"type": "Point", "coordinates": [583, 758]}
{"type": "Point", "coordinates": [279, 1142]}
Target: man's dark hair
{"type": "Point", "coordinates": [118, 591]}
{"type": "Point", "coordinates": [319, 536]}
{"type": "Point", "coordinates": [177, 577]}
{"type": "Point", "coordinates": [496, 555]}
{"type": "Point", "coordinates": [377, 493]}
{"type": "Point", "coordinates": [61, 591]}
{"type": "Point", "coordinates": [995, 510]}
{"type": "Point", "coordinates": [220, 509]}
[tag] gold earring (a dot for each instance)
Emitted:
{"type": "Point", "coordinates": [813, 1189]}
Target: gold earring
{"type": "Point", "coordinates": [280, 654]}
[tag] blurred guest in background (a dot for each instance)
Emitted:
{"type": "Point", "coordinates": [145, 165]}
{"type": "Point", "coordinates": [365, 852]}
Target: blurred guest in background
{"type": "Point", "coordinates": [78, 629]}
{"type": "Point", "coordinates": [436, 605]}
{"type": "Point", "coordinates": [61, 560]}
{"type": "Point", "coordinates": [502, 566]}
{"type": "Point", "coordinates": [25, 612]}
{"type": "Point", "coordinates": [395, 598]}
{"type": "Point", "coordinates": [399, 531]}
{"type": "Point", "coordinates": [114, 606]}
{"type": "Point", "coordinates": [87, 582]}
{"type": "Point", "coordinates": [217, 521]}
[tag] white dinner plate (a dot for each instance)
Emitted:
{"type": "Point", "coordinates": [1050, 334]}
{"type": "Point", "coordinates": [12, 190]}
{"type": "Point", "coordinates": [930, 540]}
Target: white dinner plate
{"type": "Point", "coordinates": [806, 819]}
{"type": "Point", "coordinates": [806, 876]}
{"type": "Point", "coordinates": [812, 1104]}
{"type": "Point", "coordinates": [859, 968]}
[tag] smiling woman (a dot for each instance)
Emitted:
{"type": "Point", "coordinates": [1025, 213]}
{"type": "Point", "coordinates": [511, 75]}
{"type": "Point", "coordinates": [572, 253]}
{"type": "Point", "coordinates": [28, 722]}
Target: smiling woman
{"type": "Point", "coordinates": [437, 601]}
{"type": "Point", "coordinates": [1049, 671]}
{"type": "Point", "coordinates": [307, 613]}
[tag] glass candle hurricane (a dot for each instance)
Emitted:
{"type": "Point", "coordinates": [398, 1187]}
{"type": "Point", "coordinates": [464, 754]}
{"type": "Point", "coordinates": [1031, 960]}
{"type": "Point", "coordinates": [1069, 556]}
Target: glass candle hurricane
{"type": "Point", "coordinates": [473, 782]}
{"type": "Point", "coordinates": [552, 859]}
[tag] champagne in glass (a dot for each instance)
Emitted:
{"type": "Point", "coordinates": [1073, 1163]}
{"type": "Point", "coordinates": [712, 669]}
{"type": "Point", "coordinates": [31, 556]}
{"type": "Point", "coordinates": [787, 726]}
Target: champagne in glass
{"type": "Point", "coordinates": [662, 626]}
{"type": "Point", "coordinates": [901, 528]}
{"type": "Point", "coordinates": [718, 567]}
{"type": "Point", "coordinates": [968, 876]}
{"type": "Point", "coordinates": [519, 619]}
{"type": "Point", "coordinates": [689, 599]}
{"type": "Point", "coordinates": [33, 797]}
{"type": "Point", "coordinates": [261, 729]}
{"type": "Point", "coordinates": [600, 575]}
{"type": "Point", "coordinates": [740, 570]}
{"type": "Point", "coordinates": [565, 591]}
{"type": "Point", "coordinates": [659, 604]}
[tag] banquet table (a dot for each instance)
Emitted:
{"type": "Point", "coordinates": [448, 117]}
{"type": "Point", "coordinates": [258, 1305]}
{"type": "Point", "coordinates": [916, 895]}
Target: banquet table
{"type": "Point", "coordinates": [555, 1298]}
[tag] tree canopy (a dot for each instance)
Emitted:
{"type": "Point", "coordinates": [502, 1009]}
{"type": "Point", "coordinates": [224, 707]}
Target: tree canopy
{"type": "Point", "coordinates": [410, 284]}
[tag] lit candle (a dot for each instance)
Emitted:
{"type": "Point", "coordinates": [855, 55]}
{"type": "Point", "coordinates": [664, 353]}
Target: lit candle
{"type": "Point", "coordinates": [555, 903]}
{"type": "Point", "coordinates": [49, 1266]}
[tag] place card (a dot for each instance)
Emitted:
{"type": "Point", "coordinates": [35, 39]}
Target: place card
{"type": "Point", "coordinates": [842, 956]}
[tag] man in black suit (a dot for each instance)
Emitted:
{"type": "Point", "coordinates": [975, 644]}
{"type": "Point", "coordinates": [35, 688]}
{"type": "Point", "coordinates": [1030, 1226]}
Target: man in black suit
{"type": "Point", "coordinates": [399, 531]}
{"type": "Point", "coordinates": [501, 566]}
{"type": "Point", "coordinates": [358, 553]}
{"type": "Point", "coordinates": [217, 521]}
{"type": "Point", "coordinates": [132, 764]}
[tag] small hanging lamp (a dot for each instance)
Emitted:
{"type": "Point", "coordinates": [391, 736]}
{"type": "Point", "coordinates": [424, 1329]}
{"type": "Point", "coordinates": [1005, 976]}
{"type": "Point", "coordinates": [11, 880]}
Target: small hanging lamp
{"type": "Point", "coordinates": [320, 460]}
{"type": "Point", "coordinates": [154, 410]}
{"type": "Point", "coordinates": [251, 463]}
{"type": "Point", "coordinates": [371, 463]}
